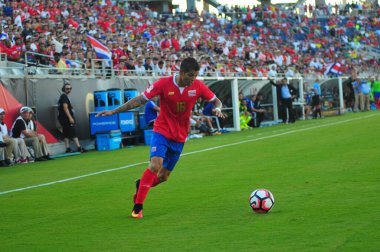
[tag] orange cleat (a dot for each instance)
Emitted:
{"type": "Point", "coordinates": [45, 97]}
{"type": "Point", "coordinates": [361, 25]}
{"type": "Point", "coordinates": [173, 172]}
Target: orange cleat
{"type": "Point", "coordinates": [138, 215]}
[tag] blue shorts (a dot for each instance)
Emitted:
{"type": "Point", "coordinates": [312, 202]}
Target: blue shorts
{"type": "Point", "coordinates": [169, 150]}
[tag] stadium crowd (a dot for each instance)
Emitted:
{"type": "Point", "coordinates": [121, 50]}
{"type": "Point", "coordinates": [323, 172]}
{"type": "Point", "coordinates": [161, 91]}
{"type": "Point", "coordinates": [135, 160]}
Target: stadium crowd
{"type": "Point", "coordinates": [256, 41]}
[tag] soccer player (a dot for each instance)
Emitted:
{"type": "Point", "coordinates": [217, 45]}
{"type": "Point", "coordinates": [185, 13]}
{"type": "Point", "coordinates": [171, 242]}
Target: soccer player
{"type": "Point", "coordinates": [178, 94]}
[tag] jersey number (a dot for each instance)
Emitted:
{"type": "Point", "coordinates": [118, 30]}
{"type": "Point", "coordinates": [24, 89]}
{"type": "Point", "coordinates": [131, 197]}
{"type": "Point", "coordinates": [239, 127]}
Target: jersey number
{"type": "Point", "coordinates": [180, 107]}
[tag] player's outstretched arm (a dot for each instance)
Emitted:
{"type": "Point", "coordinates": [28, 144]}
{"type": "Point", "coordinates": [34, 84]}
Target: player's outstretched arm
{"type": "Point", "coordinates": [218, 108]}
{"type": "Point", "coordinates": [131, 104]}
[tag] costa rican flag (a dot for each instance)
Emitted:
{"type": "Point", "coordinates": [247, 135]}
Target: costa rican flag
{"type": "Point", "coordinates": [334, 69]}
{"type": "Point", "coordinates": [102, 51]}
{"type": "Point", "coordinates": [192, 93]}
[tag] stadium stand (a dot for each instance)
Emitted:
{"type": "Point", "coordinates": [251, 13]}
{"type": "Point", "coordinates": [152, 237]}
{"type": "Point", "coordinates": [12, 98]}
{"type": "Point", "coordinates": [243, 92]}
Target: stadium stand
{"type": "Point", "coordinates": [243, 43]}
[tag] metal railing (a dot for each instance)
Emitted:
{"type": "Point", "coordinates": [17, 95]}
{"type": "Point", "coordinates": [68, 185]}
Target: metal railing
{"type": "Point", "coordinates": [37, 59]}
{"type": "Point", "coordinates": [3, 57]}
{"type": "Point", "coordinates": [44, 63]}
{"type": "Point", "coordinates": [108, 73]}
{"type": "Point", "coordinates": [102, 68]}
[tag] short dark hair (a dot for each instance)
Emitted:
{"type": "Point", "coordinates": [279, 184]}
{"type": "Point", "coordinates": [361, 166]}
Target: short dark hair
{"type": "Point", "coordinates": [189, 64]}
{"type": "Point", "coordinates": [65, 83]}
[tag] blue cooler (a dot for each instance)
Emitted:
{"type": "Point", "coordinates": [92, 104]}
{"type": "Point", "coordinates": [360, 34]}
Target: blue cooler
{"type": "Point", "coordinates": [130, 93]}
{"type": "Point", "coordinates": [100, 100]}
{"type": "Point", "coordinates": [108, 141]}
{"type": "Point", "coordinates": [114, 98]}
{"type": "Point", "coordinates": [147, 136]}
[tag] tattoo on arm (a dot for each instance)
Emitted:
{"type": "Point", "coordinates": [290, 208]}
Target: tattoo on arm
{"type": "Point", "coordinates": [131, 104]}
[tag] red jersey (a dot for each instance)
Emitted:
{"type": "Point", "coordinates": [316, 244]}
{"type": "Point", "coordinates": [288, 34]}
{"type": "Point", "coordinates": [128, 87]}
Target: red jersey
{"type": "Point", "coordinates": [173, 121]}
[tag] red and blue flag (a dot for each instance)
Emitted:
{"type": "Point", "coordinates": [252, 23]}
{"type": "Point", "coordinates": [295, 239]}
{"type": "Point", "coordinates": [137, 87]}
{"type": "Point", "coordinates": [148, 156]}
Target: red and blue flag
{"type": "Point", "coordinates": [102, 51]}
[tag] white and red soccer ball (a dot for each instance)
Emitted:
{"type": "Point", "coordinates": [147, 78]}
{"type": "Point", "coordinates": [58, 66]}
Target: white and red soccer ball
{"type": "Point", "coordinates": [261, 200]}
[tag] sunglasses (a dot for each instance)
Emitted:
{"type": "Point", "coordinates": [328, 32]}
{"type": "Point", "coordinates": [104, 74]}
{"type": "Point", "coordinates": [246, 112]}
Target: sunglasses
{"type": "Point", "coordinates": [68, 88]}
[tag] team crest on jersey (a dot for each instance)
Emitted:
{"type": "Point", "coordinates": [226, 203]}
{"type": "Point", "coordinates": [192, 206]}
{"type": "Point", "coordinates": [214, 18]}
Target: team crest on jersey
{"type": "Point", "coordinates": [154, 148]}
{"type": "Point", "coordinates": [171, 93]}
{"type": "Point", "coordinates": [192, 93]}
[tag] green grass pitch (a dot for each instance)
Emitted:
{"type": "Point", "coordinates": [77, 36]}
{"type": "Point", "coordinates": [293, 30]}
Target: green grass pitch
{"type": "Point", "coordinates": [324, 175]}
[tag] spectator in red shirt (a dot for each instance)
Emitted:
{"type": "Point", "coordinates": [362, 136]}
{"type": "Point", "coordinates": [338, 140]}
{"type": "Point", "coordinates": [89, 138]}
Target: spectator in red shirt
{"type": "Point", "coordinates": [3, 45]}
{"type": "Point", "coordinates": [16, 49]}
{"type": "Point", "coordinates": [175, 43]}
{"type": "Point", "coordinates": [165, 42]}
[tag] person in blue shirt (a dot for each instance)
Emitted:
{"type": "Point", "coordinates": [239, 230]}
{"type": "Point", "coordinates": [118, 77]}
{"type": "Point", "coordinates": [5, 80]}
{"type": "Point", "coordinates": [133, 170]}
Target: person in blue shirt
{"type": "Point", "coordinates": [198, 113]}
{"type": "Point", "coordinates": [151, 112]}
{"type": "Point", "coordinates": [316, 100]}
{"type": "Point", "coordinates": [209, 110]}
{"type": "Point", "coordinates": [258, 112]}
{"type": "Point", "coordinates": [365, 88]}
{"type": "Point", "coordinates": [8, 9]}
{"type": "Point", "coordinates": [285, 95]}
{"type": "Point", "coordinates": [357, 91]}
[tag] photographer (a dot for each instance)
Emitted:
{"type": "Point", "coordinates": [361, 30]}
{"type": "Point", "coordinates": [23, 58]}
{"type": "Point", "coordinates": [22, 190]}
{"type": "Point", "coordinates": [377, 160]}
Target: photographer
{"type": "Point", "coordinates": [67, 120]}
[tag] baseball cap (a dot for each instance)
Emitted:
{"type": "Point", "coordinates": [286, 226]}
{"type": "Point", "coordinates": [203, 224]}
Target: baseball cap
{"type": "Point", "coordinates": [2, 110]}
{"type": "Point", "coordinates": [25, 109]}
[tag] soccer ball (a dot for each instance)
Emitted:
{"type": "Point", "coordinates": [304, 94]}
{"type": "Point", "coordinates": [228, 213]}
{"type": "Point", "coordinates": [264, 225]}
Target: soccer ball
{"type": "Point", "coordinates": [261, 201]}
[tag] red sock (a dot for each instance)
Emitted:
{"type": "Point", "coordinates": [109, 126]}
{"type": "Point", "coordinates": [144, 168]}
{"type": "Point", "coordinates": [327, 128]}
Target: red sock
{"type": "Point", "coordinates": [147, 180]}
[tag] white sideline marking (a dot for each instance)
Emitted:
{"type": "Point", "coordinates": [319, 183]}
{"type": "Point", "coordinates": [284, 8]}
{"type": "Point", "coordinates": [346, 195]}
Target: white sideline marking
{"type": "Point", "coordinates": [73, 178]}
{"type": "Point", "coordinates": [276, 135]}
{"type": "Point", "coordinates": [185, 154]}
